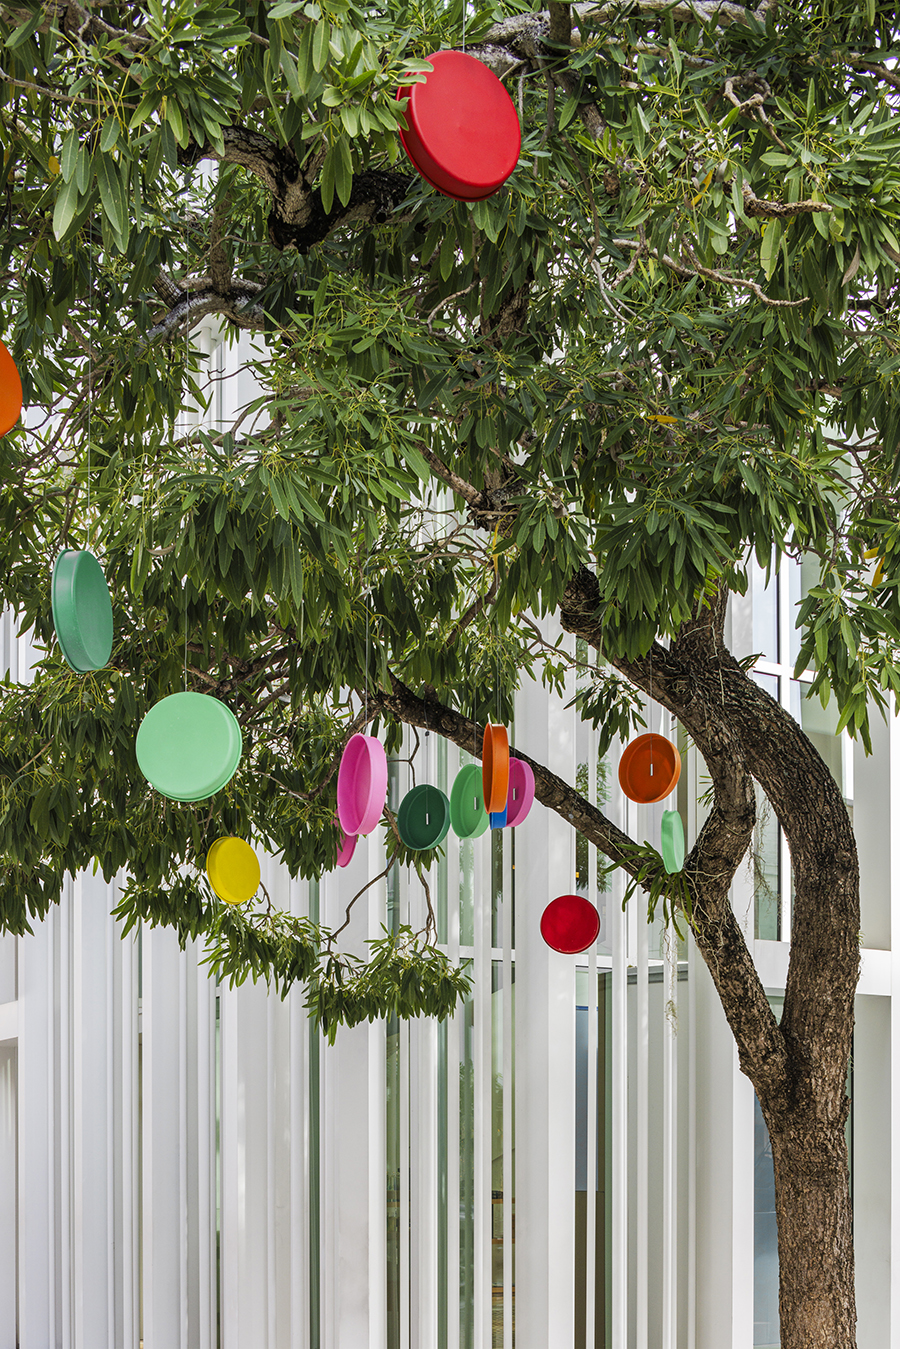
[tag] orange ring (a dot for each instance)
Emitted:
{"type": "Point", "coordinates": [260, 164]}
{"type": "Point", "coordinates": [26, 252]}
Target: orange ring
{"type": "Point", "coordinates": [495, 767]}
{"type": "Point", "coordinates": [649, 768]}
{"type": "Point", "coordinates": [10, 392]}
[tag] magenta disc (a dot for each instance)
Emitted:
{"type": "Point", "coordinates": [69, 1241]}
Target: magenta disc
{"type": "Point", "coordinates": [464, 136]}
{"type": "Point", "coordinates": [521, 792]}
{"type": "Point", "coordinates": [362, 784]}
{"type": "Point", "coordinates": [570, 924]}
{"type": "Point", "coordinates": [347, 846]}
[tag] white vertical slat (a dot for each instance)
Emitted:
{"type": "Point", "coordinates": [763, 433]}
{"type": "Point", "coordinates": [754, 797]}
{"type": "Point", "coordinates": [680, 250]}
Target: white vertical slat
{"type": "Point", "coordinates": [300, 1147]}
{"type": "Point", "coordinates": [271, 1286]}
{"type": "Point", "coordinates": [455, 1031]}
{"type": "Point", "coordinates": [112, 1152]}
{"type": "Point", "coordinates": [376, 1130]}
{"type": "Point", "coordinates": [130, 1247]}
{"type": "Point", "coordinates": [591, 1131]}
{"type": "Point", "coordinates": [65, 1116]}
{"type": "Point", "coordinates": [508, 1092]}
{"type": "Point", "coordinates": [405, 1329]}
{"type": "Point", "coordinates": [8, 1224]}
{"type": "Point", "coordinates": [482, 1095]}
{"type": "Point", "coordinates": [37, 1218]}
{"type": "Point", "coordinates": [545, 1061]}
{"type": "Point", "coordinates": [618, 933]}
{"type": "Point", "coordinates": [202, 1145]}
{"type": "Point", "coordinates": [243, 1028]}
{"type": "Point", "coordinates": [670, 1127]}
{"type": "Point", "coordinates": [591, 1137]}
{"type": "Point", "coordinates": [164, 1270]}
{"type": "Point", "coordinates": [641, 1132]}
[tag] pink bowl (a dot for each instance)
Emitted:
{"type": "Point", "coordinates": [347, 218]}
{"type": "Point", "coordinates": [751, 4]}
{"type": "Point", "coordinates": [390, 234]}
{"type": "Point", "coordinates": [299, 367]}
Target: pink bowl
{"type": "Point", "coordinates": [521, 792]}
{"type": "Point", "coordinates": [347, 848]}
{"type": "Point", "coordinates": [362, 784]}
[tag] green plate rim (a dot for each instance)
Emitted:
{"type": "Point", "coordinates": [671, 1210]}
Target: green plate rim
{"type": "Point", "coordinates": [71, 645]}
{"type": "Point", "coordinates": [171, 796]}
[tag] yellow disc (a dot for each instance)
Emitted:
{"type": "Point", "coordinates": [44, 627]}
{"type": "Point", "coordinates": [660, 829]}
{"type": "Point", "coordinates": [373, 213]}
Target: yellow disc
{"type": "Point", "coordinates": [233, 870]}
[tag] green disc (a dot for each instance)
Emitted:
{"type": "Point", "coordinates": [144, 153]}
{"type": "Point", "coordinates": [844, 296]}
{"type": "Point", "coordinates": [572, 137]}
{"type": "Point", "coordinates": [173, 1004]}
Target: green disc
{"type": "Point", "coordinates": [672, 841]}
{"type": "Point", "coordinates": [467, 813]}
{"type": "Point", "coordinates": [423, 819]}
{"type": "Point", "coordinates": [82, 610]}
{"type": "Point", "coordinates": [188, 746]}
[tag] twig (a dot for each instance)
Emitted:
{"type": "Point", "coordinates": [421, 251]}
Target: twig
{"type": "Point", "coordinates": [359, 894]}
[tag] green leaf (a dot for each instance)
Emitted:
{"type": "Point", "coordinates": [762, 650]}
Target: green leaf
{"type": "Point", "coordinates": [69, 157]}
{"type": "Point", "coordinates": [343, 173]}
{"type": "Point", "coordinates": [320, 45]}
{"type": "Point", "coordinates": [65, 208]}
{"type": "Point", "coordinates": [326, 182]}
{"type": "Point", "coordinates": [768, 249]}
{"type": "Point", "coordinates": [110, 133]}
{"type": "Point", "coordinates": [112, 193]}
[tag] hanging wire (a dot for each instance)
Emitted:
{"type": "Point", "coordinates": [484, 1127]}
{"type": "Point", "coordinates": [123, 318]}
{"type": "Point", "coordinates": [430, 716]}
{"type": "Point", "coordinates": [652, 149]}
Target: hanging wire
{"type": "Point", "coordinates": [187, 358]}
{"type": "Point", "coordinates": [90, 378]}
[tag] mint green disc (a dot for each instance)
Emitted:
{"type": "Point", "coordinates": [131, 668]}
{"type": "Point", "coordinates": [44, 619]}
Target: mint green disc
{"type": "Point", "coordinates": [467, 813]}
{"type": "Point", "coordinates": [82, 610]}
{"type": "Point", "coordinates": [188, 746]}
{"type": "Point", "coordinates": [672, 841]}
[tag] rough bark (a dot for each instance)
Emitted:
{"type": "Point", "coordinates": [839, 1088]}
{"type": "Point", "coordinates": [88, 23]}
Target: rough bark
{"type": "Point", "coordinates": [799, 1068]}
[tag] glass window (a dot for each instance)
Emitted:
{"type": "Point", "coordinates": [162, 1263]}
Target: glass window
{"type": "Point", "coordinates": [765, 613]}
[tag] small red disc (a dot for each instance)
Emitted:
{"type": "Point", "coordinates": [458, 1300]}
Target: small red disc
{"type": "Point", "coordinates": [570, 924]}
{"type": "Point", "coordinates": [464, 135]}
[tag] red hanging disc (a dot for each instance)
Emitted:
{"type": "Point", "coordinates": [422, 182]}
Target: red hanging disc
{"type": "Point", "coordinates": [570, 924]}
{"type": "Point", "coordinates": [464, 135]}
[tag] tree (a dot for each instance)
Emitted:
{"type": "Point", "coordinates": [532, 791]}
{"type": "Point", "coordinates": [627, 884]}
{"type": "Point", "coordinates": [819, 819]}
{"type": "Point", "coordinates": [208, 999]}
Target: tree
{"type": "Point", "coordinates": [665, 345]}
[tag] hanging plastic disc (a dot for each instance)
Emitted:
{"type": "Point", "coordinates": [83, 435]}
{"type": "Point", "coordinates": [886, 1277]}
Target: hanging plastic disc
{"type": "Point", "coordinates": [467, 813]}
{"type": "Point", "coordinates": [233, 870]}
{"type": "Point", "coordinates": [362, 784]}
{"type": "Point", "coordinates": [495, 767]}
{"type": "Point", "coordinates": [464, 136]}
{"type": "Point", "coordinates": [672, 845]}
{"type": "Point", "coordinates": [82, 610]}
{"type": "Point", "coordinates": [499, 818]}
{"type": "Point", "coordinates": [521, 792]}
{"type": "Point", "coordinates": [423, 820]}
{"type": "Point", "coordinates": [188, 746]}
{"type": "Point", "coordinates": [10, 392]}
{"type": "Point", "coordinates": [347, 846]}
{"type": "Point", "coordinates": [570, 924]}
{"type": "Point", "coordinates": [649, 768]}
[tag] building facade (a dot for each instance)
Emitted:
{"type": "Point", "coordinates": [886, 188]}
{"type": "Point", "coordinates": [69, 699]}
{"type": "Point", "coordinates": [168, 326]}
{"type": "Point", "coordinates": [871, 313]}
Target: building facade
{"type": "Point", "coordinates": [573, 1160]}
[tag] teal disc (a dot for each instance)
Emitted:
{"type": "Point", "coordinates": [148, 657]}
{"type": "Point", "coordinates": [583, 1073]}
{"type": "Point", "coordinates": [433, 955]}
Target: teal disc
{"type": "Point", "coordinates": [423, 819]}
{"type": "Point", "coordinates": [188, 746]}
{"type": "Point", "coordinates": [82, 610]}
{"type": "Point", "coordinates": [467, 813]}
{"type": "Point", "coordinates": [672, 841]}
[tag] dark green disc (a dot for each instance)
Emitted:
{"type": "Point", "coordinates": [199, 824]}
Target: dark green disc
{"type": "Point", "coordinates": [423, 819]}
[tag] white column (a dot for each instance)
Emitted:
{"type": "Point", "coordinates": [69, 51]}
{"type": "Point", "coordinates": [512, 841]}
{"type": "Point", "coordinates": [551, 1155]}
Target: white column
{"type": "Point", "coordinates": [8, 1222]}
{"type": "Point", "coordinates": [93, 1148]}
{"type": "Point", "coordinates": [164, 1215]}
{"type": "Point", "coordinates": [724, 1215]}
{"type": "Point", "coordinates": [38, 1177]}
{"type": "Point", "coordinates": [545, 1050]}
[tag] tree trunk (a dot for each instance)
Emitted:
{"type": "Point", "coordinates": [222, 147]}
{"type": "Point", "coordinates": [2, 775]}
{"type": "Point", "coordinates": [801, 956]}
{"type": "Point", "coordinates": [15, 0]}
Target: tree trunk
{"type": "Point", "coordinates": [815, 1233]}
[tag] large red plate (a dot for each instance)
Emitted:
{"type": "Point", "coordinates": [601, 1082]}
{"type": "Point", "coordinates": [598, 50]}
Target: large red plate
{"type": "Point", "coordinates": [570, 924]}
{"type": "Point", "coordinates": [464, 135]}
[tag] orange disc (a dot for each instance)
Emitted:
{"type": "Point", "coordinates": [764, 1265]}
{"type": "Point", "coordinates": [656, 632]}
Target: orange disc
{"type": "Point", "coordinates": [495, 768]}
{"type": "Point", "coordinates": [10, 392]}
{"type": "Point", "coordinates": [649, 768]}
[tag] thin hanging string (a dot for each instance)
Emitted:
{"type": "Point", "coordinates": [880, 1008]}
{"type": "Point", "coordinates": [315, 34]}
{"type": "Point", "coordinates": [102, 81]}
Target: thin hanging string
{"type": "Point", "coordinates": [464, 7]}
{"type": "Point", "coordinates": [366, 598]}
{"type": "Point", "coordinates": [90, 379]}
{"type": "Point", "coordinates": [187, 358]}
{"type": "Point", "coordinates": [650, 709]}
